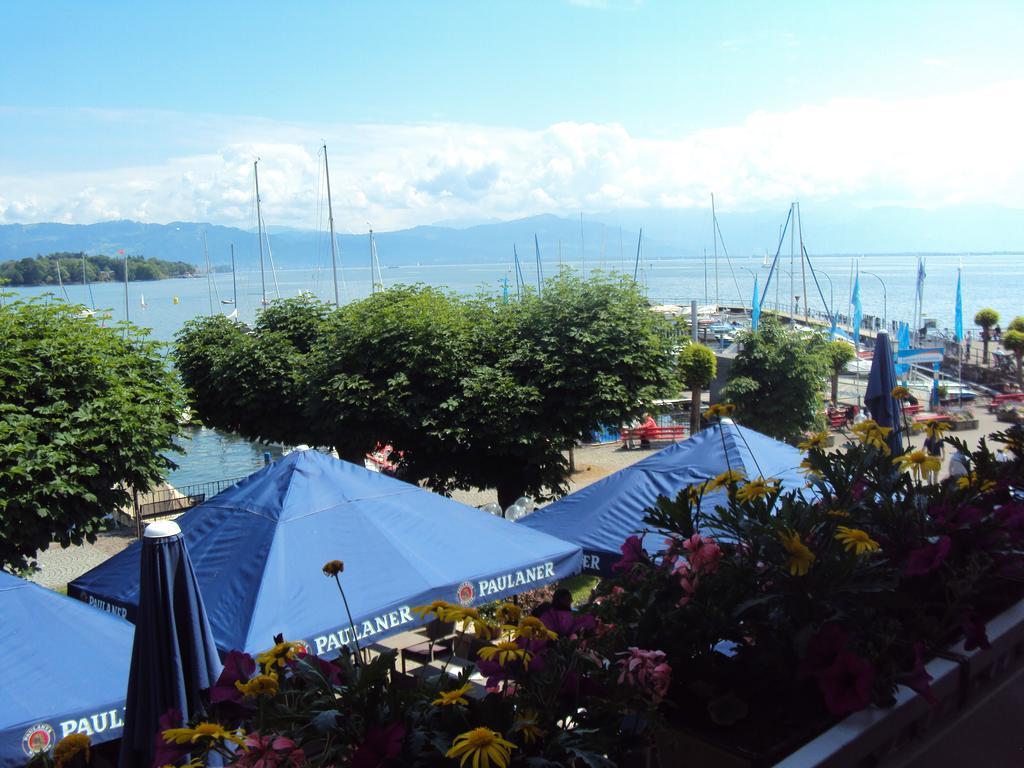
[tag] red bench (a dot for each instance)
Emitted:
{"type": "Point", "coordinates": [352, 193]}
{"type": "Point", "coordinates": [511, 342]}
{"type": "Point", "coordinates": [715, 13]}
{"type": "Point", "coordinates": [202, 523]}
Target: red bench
{"type": "Point", "coordinates": [912, 410]}
{"type": "Point", "coordinates": [1006, 397]}
{"type": "Point", "coordinates": [631, 435]}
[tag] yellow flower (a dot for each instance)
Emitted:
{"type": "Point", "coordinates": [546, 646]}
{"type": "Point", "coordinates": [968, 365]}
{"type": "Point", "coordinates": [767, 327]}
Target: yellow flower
{"type": "Point", "coordinates": [439, 608]}
{"type": "Point", "coordinates": [484, 746]}
{"type": "Point", "coordinates": [726, 478]}
{"type": "Point", "coordinates": [816, 442]}
{"type": "Point", "coordinates": [721, 410]}
{"type": "Point", "coordinates": [900, 393]}
{"type": "Point", "coordinates": [207, 732]}
{"type": "Point", "coordinates": [800, 557]}
{"type": "Point", "coordinates": [695, 492]}
{"type": "Point", "coordinates": [451, 698]}
{"type": "Point", "coordinates": [970, 479]}
{"type": "Point", "coordinates": [808, 469]}
{"type": "Point", "coordinates": [509, 613]}
{"type": "Point", "coordinates": [855, 540]}
{"type": "Point", "coordinates": [871, 434]}
{"type": "Point", "coordinates": [471, 617]}
{"type": "Point", "coordinates": [68, 747]}
{"type": "Point", "coordinates": [278, 656]}
{"type": "Point", "coordinates": [933, 428]}
{"type": "Point", "coordinates": [526, 726]}
{"type": "Point", "coordinates": [506, 651]}
{"type": "Point", "coordinates": [837, 513]}
{"type": "Point", "coordinates": [533, 628]}
{"type": "Point", "coordinates": [261, 685]}
{"type": "Point", "coordinates": [757, 488]}
{"type": "Point", "coordinates": [485, 631]}
{"type": "Point", "coordinates": [333, 567]}
{"type": "Point", "coordinates": [919, 463]}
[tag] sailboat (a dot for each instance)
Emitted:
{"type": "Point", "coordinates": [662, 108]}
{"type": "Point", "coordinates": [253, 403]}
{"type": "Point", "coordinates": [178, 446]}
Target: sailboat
{"type": "Point", "coordinates": [142, 300]}
{"type": "Point", "coordinates": [259, 233]}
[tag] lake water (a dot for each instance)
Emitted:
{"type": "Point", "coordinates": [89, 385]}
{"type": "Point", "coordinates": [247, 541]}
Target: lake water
{"type": "Point", "coordinates": [988, 281]}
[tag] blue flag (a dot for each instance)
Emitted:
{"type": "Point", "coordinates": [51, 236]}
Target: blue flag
{"type": "Point", "coordinates": [835, 326]}
{"type": "Point", "coordinates": [858, 311]}
{"type": "Point", "coordinates": [958, 328]}
{"type": "Point", "coordinates": [755, 308]}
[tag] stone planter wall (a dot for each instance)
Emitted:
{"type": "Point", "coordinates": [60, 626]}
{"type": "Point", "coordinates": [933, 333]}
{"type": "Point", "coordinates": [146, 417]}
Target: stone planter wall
{"type": "Point", "coordinates": [961, 426]}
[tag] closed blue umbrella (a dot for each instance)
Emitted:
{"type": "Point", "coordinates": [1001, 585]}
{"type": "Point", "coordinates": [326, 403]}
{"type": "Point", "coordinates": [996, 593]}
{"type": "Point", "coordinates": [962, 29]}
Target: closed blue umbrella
{"type": "Point", "coordinates": [174, 657]}
{"type": "Point", "coordinates": [878, 397]}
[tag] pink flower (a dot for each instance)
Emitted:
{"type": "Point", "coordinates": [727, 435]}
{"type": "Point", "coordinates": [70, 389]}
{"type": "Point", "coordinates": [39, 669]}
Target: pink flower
{"type": "Point", "coordinates": [974, 632]}
{"type": "Point", "coordinates": [918, 679]}
{"type": "Point", "coordinates": [703, 553]}
{"type": "Point", "coordinates": [270, 752]}
{"type": "Point", "coordinates": [822, 650]}
{"type": "Point", "coordinates": [846, 685]}
{"type": "Point", "coordinates": [927, 558]}
{"type": "Point", "coordinates": [381, 745]}
{"type": "Point", "coordinates": [238, 667]}
{"type": "Point", "coordinates": [688, 580]}
{"type": "Point", "coordinates": [646, 670]}
{"type": "Point", "coordinates": [633, 553]}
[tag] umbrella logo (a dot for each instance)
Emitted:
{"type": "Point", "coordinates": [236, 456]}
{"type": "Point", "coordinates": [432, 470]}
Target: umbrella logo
{"type": "Point", "coordinates": [465, 593]}
{"type": "Point", "coordinates": [303, 646]}
{"type": "Point", "coordinates": [38, 739]}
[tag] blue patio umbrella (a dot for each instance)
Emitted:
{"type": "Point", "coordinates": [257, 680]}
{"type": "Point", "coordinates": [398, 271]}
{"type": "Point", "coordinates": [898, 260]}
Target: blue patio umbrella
{"type": "Point", "coordinates": [878, 397]}
{"type": "Point", "coordinates": [259, 546]}
{"type": "Point", "coordinates": [174, 657]}
{"type": "Point", "coordinates": [602, 515]}
{"type": "Point", "coordinates": [65, 670]}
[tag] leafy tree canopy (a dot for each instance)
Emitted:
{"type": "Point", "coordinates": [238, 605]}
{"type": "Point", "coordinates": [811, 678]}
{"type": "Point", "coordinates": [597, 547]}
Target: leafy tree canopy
{"type": "Point", "coordinates": [986, 318]}
{"type": "Point", "coordinates": [86, 413]}
{"type": "Point", "coordinates": [775, 380]}
{"type": "Point", "coordinates": [1017, 324]}
{"type": "Point", "coordinates": [697, 366]}
{"type": "Point", "coordinates": [476, 392]}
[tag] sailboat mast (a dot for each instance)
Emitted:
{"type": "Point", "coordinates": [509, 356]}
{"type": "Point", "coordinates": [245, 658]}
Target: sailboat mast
{"type": "Point", "coordinates": [126, 316]}
{"type": "Point", "coordinates": [803, 271]}
{"type": "Point", "coordinates": [234, 283]}
{"type": "Point", "coordinates": [209, 284]}
{"type": "Point", "coordinates": [259, 229]}
{"type": "Point", "coordinates": [636, 264]}
{"type": "Point", "coordinates": [583, 250]}
{"type": "Point", "coordinates": [330, 220]}
{"type": "Point", "coordinates": [540, 266]}
{"type": "Point", "coordinates": [60, 282]}
{"type": "Point", "coordinates": [714, 237]}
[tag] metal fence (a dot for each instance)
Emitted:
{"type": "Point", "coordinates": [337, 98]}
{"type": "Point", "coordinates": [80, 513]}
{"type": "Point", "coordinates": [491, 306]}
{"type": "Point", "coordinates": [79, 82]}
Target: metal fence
{"type": "Point", "coordinates": [171, 501]}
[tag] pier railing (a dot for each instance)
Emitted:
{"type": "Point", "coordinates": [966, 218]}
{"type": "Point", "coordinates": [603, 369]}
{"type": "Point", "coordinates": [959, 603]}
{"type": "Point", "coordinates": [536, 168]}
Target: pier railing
{"type": "Point", "coordinates": [171, 501]}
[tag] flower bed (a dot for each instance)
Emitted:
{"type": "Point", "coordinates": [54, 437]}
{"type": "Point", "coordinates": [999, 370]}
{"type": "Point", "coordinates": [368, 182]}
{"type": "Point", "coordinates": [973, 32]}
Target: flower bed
{"type": "Point", "coordinates": [816, 624]}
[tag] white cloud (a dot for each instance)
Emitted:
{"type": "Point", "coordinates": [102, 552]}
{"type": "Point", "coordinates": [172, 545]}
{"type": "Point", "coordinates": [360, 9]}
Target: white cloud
{"type": "Point", "coordinates": [958, 148]}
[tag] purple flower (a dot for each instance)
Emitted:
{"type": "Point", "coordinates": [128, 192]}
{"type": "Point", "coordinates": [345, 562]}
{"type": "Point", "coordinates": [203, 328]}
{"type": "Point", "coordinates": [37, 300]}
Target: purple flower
{"type": "Point", "coordinates": [822, 650]}
{"type": "Point", "coordinates": [974, 632]}
{"type": "Point", "coordinates": [238, 668]}
{"type": "Point", "coordinates": [381, 745]}
{"type": "Point", "coordinates": [567, 623]}
{"type": "Point", "coordinates": [927, 558]}
{"type": "Point", "coordinates": [846, 685]}
{"type": "Point", "coordinates": [166, 753]}
{"type": "Point", "coordinates": [918, 679]}
{"type": "Point", "coordinates": [632, 554]}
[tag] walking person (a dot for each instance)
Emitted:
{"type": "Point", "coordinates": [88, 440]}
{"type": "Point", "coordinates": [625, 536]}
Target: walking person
{"type": "Point", "coordinates": [933, 446]}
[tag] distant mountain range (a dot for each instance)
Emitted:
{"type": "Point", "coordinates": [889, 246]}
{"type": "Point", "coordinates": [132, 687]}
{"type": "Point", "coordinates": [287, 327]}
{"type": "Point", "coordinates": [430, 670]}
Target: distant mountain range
{"type": "Point", "coordinates": [609, 238]}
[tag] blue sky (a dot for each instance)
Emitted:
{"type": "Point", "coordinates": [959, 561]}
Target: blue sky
{"type": "Point", "coordinates": [438, 110]}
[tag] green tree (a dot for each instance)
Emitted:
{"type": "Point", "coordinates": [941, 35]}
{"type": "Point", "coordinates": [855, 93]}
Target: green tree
{"type": "Point", "coordinates": [986, 318]}
{"type": "Point", "coordinates": [838, 354]}
{"type": "Point", "coordinates": [1017, 324]}
{"type": "Point", "coordinates": [697, 367]}
{"type": "Point", "coordinates": [1013, 340]}
{"type": "Point", "coordinates": [775, 381]}
{"type": "Point", "coordinates": [86, 413]}
{"type": "Point", "coordinates": [251, 381]}
{"type": "Point", "coordinates": [475, 392]}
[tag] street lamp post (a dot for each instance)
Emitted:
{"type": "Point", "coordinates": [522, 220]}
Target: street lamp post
{"type": "Point", "coordinates": [885, 305]}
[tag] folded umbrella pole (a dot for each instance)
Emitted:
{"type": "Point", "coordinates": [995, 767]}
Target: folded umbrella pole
{"type": "Point", "coordinates": [174, 657]}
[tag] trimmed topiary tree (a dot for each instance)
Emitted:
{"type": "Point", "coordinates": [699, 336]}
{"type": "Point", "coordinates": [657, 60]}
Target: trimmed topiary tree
{"type": "Point", "coordinates": [986, 318]}
{"type": "Point", "coordinates": [697, 367]}
{"type": "Point", "coordinates": [1013, 340]}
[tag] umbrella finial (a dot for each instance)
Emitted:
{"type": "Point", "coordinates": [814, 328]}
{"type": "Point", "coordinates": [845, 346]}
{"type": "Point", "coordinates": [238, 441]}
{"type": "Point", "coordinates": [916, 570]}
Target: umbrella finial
{"type": "Point", "coordinates": [161, 529]}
